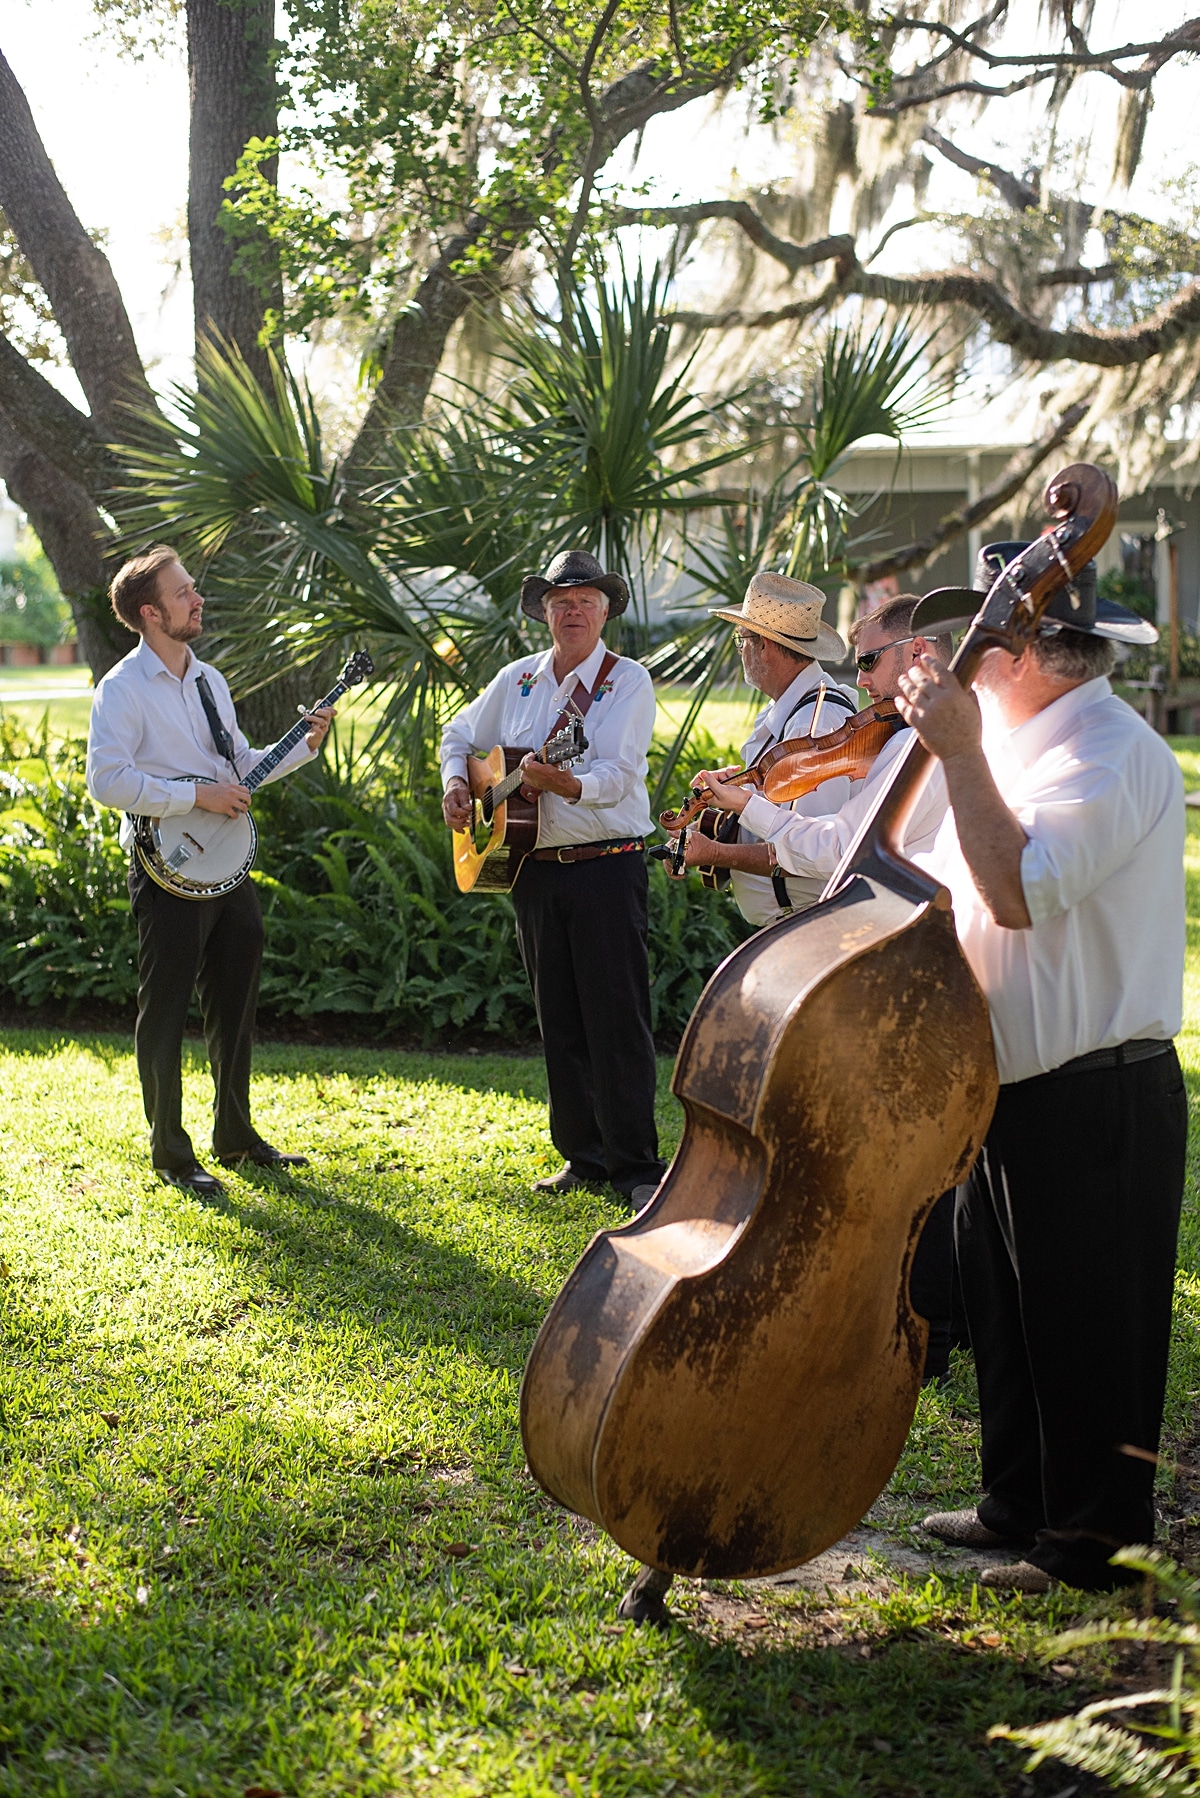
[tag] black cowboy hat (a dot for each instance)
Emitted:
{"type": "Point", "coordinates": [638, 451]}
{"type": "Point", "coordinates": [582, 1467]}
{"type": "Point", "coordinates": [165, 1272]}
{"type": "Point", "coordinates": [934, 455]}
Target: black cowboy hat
{"type": "Point", "coordinates": [1077, 607]}
{"type": "Point", "coordinates": [573, 568]}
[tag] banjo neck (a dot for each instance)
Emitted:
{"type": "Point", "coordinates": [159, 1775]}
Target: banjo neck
{"type": "Point", "coordinates": [289, 740]}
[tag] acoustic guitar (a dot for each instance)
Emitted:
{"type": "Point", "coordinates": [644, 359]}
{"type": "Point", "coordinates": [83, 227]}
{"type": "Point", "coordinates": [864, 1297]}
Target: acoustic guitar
{"type": "Point", "coordinates": [504, 822]}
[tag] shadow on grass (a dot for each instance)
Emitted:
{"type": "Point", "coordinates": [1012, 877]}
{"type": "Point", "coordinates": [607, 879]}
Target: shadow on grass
{"type": "Point", "coordinates": [218, 1685]}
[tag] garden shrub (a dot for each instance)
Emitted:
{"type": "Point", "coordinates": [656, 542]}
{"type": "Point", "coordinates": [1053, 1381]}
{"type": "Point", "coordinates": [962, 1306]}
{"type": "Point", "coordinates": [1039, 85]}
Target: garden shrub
{"type": "Point", "coordinates": [362, 914]}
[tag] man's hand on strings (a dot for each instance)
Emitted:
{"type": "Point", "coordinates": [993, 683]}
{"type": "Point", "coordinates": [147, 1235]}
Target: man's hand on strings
{"type": "Point", "coordinates": [222, 796]}
{"type": "Point", "coordinates": [320, 720]}
{"type": "Point", "coordinates": [719, 787]}
{"type": "Point", "coordinates": [456, 804]}
{"type": "Point", "coordinates": [944, 715]}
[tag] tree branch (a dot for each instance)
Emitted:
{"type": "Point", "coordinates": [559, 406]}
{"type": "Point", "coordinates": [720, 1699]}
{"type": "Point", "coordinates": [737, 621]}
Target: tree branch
{"type": "Point", "coordinates": [1020, 195]}
{"type": "Point", "coordinates": [919, 88]}
{"type": "Point", "coordinates": [1174, 320]}
{"type": "Point", "coordinates": [419, 335]}
{"type": "Point", "coordinates": [46, 419]}
{"type": "Point", "coordinates": [965, 518]}
{"type": "Point", "coordinates": [793, 256]}
{"type": "Point", "coordinates": [73, 270]}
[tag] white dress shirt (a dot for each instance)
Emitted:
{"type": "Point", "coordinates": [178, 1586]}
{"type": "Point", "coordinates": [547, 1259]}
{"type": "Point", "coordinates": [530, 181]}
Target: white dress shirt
{"type": "Point", "coordinates": [789, 716]}
{"type": "Point", "coordinates": [148, 728]}
{"type": "Point", "coordinates": [518, 709]}
{"type": "Point", "coordinates": [1100, 797]}
{"type": "Point", "coordinates": [815, 846]}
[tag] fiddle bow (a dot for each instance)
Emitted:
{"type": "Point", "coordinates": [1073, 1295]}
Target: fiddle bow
{"type": "Point", "coordinates": [725, 1383]}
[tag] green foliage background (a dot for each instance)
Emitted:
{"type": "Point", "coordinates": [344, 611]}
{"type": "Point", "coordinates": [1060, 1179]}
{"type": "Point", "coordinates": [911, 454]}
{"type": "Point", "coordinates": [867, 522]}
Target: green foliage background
{"type": "Point", "coordinates": [362, 915]}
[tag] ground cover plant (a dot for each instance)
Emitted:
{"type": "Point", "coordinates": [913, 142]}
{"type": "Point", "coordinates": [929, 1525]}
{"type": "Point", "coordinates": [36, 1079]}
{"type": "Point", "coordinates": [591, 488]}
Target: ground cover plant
{"type": "Point", "coordinates": [264, 1521]}
{"type": "Point", "coordinates": [363, 920]}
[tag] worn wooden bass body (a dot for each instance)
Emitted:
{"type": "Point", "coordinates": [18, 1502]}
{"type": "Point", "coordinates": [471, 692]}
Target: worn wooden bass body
{"type": "Point", "coordinates": [725, 1384]}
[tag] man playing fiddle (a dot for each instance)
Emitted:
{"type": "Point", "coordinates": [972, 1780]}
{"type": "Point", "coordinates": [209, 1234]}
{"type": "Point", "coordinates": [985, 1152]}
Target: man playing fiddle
{"type": "Point", "coordinates": [780, 636]}
{"type": "Point", "coordinates": [810, 847]}
{"type": "Point", "coordinates": [1063, 853]}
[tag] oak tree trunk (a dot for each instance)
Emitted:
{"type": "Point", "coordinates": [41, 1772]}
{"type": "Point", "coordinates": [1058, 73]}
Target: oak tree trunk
{"type": "Point", "coordinates": [233, 98]}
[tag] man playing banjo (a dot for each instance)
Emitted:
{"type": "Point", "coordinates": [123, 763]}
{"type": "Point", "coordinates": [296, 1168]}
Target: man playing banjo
{"type": "Point", "coordinates": [159, 717]}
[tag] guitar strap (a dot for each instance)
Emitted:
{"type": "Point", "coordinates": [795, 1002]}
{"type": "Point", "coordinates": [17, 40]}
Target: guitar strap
{"type": "Point", "coordinates": [832, 696]}
{"type": "Point", "coordinates": [222, 741]}
{"type": "Point", "coordinates": [576, 707]}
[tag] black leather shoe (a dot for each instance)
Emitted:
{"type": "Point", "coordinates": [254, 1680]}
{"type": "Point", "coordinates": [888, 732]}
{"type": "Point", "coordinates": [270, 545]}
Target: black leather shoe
{"type": "Point", "coordinates": [263, 1155]}
{"type": "Point", "coordinates": [192, 1178]}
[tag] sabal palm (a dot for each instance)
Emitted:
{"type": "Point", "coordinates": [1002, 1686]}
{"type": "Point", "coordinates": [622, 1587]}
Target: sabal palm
{"type": "Point", "coordinates": [878, 385]}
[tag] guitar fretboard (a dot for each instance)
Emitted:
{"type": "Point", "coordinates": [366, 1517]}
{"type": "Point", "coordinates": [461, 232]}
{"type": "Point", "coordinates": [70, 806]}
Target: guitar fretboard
{"type": "Point", "coordinates": [289, 740]}
{"type": "Point", "coordinates": [504, 789]}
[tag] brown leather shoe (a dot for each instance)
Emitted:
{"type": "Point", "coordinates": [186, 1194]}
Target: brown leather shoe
{"type": "Point", "coordinates": [565, 1181]}
{"type": "Point", "coordinates": [962, 1529]}
{"type": "Point", "coordinates": [1016, 1576]}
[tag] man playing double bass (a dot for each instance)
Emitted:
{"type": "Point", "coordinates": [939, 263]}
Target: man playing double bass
{"type": "Point", "coordinates": [1063, 853]}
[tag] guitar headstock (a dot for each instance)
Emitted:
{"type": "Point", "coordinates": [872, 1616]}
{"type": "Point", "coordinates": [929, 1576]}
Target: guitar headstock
{"type": "Point", "coordinates": [565, 746]}
{"type": "Point", "coordinates": [1084, 501]}
{"type": "Point", "coordinates": [358, 667]}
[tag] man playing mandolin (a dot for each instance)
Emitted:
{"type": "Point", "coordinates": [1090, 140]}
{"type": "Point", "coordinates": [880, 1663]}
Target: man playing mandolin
{"type": "Point", "coordinates": [158, 722]}
{"type": "Point", "coordinates": [1063, 854]}
{"type": "Point", "coordinates": [581, 896]}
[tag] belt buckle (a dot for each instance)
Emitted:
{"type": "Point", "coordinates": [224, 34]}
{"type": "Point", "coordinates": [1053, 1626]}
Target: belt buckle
{"type": "Point", "coordinates": [560, 853]}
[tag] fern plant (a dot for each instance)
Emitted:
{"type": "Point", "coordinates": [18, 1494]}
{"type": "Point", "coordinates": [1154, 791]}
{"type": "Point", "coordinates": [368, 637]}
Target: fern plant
{"type": "Point", "coordinates": [1145, 1742]}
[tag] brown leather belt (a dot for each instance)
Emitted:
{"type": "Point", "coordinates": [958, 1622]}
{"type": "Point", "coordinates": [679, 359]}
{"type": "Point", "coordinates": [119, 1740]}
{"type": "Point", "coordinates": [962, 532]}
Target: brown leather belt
{"type": "Point", "coordinates": [588, 852]}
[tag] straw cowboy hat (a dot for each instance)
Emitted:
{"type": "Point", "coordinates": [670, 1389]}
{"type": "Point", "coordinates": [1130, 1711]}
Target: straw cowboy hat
{"type": "Point", "coordinates": [789, 612]}
{"type": "Point", "coordinates": [573, 568]}
{"type": "Point", "coordinates": [1076, 607]}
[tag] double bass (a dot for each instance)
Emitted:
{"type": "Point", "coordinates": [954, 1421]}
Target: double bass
{"type": "Point", "coordinates": [725, 1384]}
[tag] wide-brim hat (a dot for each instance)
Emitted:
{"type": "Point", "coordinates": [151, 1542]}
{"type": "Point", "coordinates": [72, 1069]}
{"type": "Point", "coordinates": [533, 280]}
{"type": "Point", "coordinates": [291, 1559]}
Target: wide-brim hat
{"type": "Point", "coordinates": [573, 568]}
{"type": "Point", "coordinates": [1077, 607]}
{"type": "Point", "coordinates": [788, 612]}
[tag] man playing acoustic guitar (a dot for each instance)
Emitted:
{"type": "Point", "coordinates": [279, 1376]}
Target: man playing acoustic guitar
{"type": "Point", "coordinates": [580, 897]}
{"type": "Point", "coordinates": [152, 728]}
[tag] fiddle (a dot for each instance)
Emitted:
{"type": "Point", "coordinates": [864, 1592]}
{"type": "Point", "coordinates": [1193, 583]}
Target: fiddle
{"type": "Point", "coordinates": [725, 1383]}
{"type": "Point", "coordinates": [786, 771]}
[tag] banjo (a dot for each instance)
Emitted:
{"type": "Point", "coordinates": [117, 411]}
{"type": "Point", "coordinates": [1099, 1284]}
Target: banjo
{"type": "Point", "coordinates": [203, 855]}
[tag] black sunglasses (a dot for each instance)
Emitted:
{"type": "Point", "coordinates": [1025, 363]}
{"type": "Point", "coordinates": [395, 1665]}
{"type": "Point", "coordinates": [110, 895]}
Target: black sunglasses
{"type": "Point", "coordinates": [865, 662]}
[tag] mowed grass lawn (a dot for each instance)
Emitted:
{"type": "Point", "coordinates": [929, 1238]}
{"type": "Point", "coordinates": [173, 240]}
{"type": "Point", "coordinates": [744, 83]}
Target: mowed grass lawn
{"type": "Point", "coordinates": [265, 1525]}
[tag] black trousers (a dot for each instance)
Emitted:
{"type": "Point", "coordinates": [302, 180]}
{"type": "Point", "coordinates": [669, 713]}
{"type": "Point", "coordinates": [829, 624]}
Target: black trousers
{"type": "Point", "coordinates": [1066, 1237]}
{"type": "Point", "coordinates": [213, 947]}
{"type": "Point", "coordinates": [931, 1284]}
{"type": "Point", "coordinates": [581, 928]}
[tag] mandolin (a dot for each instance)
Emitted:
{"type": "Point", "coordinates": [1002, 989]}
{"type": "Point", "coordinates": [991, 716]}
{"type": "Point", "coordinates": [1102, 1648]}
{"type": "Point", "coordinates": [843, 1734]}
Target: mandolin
{"type": "Point", "coordinates": [725, 1383]}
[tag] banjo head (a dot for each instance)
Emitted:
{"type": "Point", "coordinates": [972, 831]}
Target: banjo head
{"type": "Point", "coordinates": [197, 855]}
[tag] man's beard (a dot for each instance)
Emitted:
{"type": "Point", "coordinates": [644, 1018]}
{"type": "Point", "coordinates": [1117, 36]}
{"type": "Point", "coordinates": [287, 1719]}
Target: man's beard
{"type": "Point", "coordinates": [187, 632]}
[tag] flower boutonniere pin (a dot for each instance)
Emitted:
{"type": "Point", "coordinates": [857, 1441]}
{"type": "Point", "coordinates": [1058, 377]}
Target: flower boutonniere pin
{"type": "Point", "coordinates": [526, 682]}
